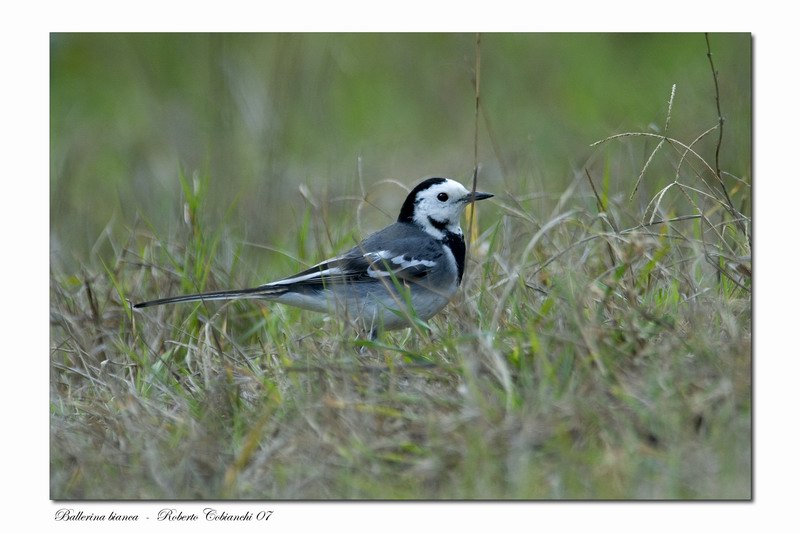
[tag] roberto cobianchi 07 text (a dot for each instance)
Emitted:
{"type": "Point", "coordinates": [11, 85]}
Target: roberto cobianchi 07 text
{"type": "Point", "coordinates": [208, 514]}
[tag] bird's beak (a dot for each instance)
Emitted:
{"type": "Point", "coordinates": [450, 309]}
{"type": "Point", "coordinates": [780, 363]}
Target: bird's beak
{"type": "Point", "coordinates": [475, 196]}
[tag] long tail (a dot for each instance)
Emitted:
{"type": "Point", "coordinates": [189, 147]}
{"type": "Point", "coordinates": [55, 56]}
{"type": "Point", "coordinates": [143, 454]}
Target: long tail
{"type": "Point", "coordinates": [264, 291]}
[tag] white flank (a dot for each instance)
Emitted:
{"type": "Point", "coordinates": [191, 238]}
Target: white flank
{"type": "Point", "coordinates": [376, 258]}
{"type": "Point", "coordinates": [401, 260]}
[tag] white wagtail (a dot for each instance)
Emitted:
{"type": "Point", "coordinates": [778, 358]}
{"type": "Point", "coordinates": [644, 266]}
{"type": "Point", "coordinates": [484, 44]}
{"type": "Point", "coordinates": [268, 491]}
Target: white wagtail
{"type": "Point", "coordinates": [423, 253]}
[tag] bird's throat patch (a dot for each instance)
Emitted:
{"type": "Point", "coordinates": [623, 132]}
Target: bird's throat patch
{"type": "Point", "coordinates": [441, 226]}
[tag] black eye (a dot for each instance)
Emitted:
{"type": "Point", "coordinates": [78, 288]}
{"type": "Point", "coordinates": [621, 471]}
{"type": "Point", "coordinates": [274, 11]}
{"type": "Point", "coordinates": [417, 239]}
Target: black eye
{"type": "Point", "coordinates": [442, 196]}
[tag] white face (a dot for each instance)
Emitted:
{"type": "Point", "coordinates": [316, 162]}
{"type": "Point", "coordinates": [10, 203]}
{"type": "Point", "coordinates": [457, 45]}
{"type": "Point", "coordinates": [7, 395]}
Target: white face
{"type": "Point", "coordinates": [440, 206]}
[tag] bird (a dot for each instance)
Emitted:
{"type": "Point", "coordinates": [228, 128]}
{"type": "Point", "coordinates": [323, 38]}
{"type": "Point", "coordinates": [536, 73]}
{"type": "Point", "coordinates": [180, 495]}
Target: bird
{"type": "Point", "coordinates": [417, 262]}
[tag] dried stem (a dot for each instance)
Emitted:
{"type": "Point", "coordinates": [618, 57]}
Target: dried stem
{"type": "Point", "coordinates": [721, 121]}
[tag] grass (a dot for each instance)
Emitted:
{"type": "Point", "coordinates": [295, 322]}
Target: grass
{"type": "Point", "coordinates": [600, 349]}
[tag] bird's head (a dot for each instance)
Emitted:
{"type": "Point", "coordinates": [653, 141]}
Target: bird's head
{"type": "Point", "coordinates": [436, 204]}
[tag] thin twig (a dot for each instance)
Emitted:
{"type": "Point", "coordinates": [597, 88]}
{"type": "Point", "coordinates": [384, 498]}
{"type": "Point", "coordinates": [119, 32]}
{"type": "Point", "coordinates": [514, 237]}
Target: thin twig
{"type": "Point", "coordinates": [471, 206]}
{"type": "Point", "coordinates": [658, 146]}
{"type": "Point", "coordinates": [721, 121]}
{"type": "Point", "coordinates": [477, 106]}
{"type": "Point", "coordinates": [720, 118]}
{"type": "Point", "coordinates": [669, 107]}
{"type": "Point", "coordinates": [644, 168]}
{"type": "Point", "coordinates": [603, 211]}
{"type": "Point", "coordinates": [600, 205]}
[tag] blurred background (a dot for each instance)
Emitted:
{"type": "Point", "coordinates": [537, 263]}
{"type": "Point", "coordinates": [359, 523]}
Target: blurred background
{"type": "Point", "coordinates": [253, 117]}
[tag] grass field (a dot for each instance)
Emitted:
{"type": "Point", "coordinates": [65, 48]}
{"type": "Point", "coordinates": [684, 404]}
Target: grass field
{"type": "Point", "coordinates": [600, 347]}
